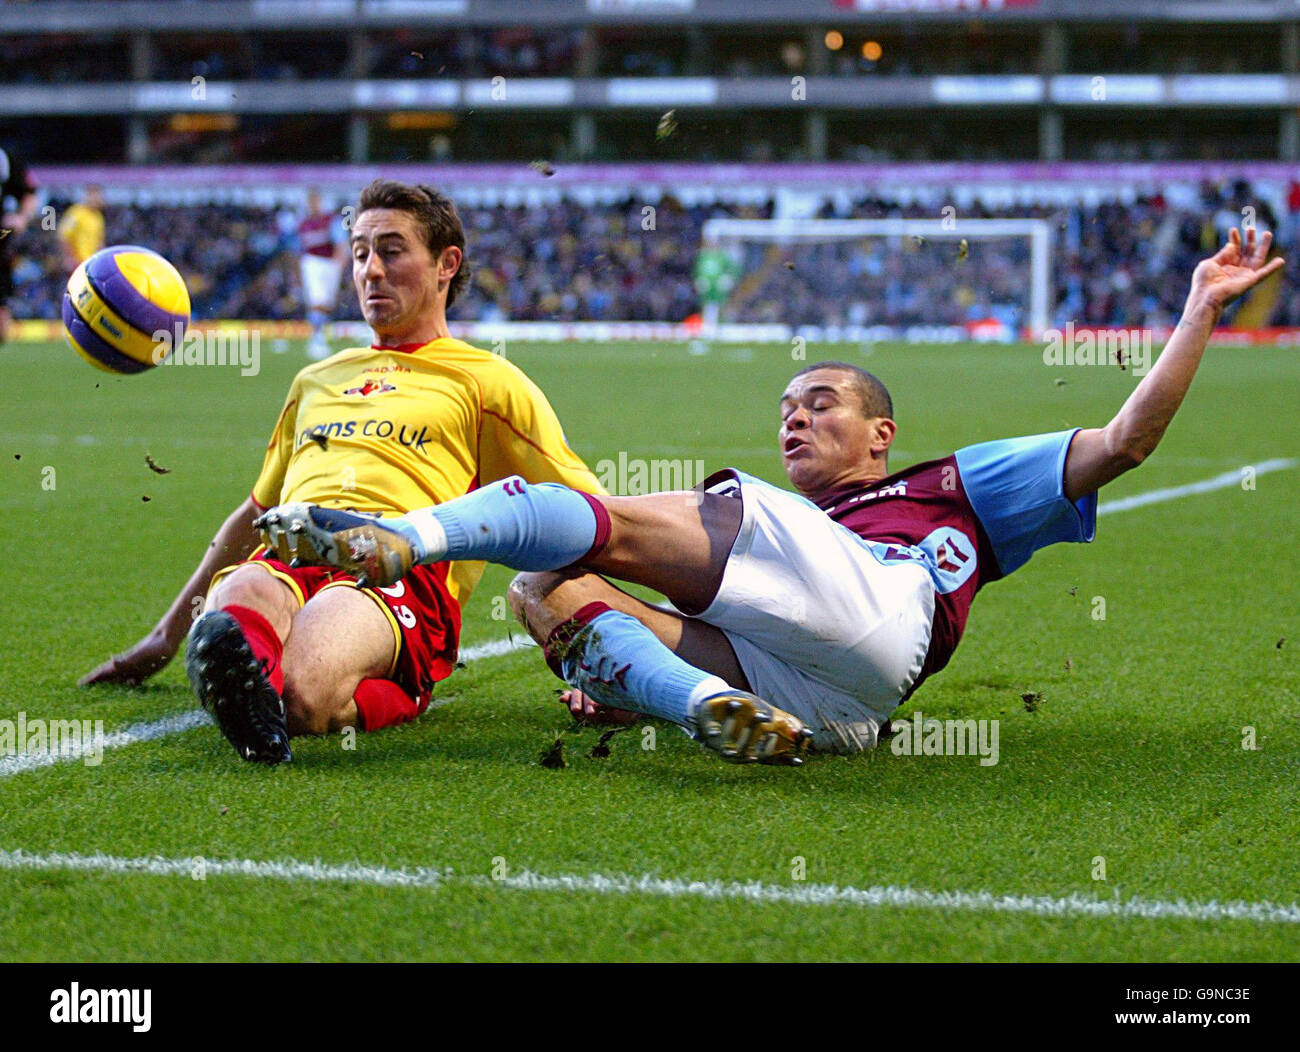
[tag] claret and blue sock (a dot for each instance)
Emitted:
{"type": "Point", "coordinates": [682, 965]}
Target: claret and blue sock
{"type": "Point", "coordinates": [616, 660]}
{"type": "Point", "coordinates": [543, 526]}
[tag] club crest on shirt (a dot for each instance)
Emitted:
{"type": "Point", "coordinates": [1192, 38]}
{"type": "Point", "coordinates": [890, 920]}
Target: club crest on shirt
{"type": "Point", "coordinates": [951, 557]}
{"type": "Point", "coordinates": [947, 553]}
{"type": "Point", "coordinates": [371, 387]}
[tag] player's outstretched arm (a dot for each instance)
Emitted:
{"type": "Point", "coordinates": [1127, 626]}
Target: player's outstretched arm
{"type": "Point", "coordinates": [1099, 455]}
{"type": "Point", "coordinates": [233, 542]}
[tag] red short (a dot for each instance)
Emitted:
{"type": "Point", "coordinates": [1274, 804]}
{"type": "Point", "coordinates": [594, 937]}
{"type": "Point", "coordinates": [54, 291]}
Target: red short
{"type": "Point", "coordinates": [424, 617]}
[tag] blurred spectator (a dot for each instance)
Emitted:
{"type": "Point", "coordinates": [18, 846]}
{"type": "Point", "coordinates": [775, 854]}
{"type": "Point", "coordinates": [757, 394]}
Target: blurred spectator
{"type": "Point", "coordinates": [81, 229]}
{"type": "Point", "coordinates": [17, 209]}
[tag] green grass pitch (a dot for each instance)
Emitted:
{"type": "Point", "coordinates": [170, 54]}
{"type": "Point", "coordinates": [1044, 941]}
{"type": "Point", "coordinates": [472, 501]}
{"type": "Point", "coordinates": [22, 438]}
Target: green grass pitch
{"type": "Point", "coordinates": [1134, 754]}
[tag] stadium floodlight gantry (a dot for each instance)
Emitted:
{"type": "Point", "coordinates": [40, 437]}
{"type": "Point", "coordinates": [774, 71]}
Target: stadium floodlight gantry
{"type": "Point", "coordinates": [145, 81]}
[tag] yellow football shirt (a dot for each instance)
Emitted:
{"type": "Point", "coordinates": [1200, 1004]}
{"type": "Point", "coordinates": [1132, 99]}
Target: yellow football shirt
{"type": "Point", "coordinates": [387, 430]}
{"type": "Point", "coordinates": [82, 229]}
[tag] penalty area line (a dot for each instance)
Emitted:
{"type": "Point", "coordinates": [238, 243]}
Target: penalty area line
{"type": "Point", "coordinates": [70, 752]}
{"type": "Point", "coordinates": [875, 897]}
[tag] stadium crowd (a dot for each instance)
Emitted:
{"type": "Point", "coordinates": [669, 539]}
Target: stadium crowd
{"type": "Point", "coordinates": [1120, 264]}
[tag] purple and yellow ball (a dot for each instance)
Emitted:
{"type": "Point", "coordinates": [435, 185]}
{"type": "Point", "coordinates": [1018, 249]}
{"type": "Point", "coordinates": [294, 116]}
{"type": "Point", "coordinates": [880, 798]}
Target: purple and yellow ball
{"type": "Point", "coordinates": [118, 302]}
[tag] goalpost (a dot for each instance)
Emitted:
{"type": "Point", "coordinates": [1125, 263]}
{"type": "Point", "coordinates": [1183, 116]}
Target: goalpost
{"type": "Point", "coordinates": [791, 231]}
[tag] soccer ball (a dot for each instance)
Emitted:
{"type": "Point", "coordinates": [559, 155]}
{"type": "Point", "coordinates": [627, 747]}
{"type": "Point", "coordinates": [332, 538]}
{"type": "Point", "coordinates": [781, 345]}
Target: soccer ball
{"type": "Point", "coordinates": [118, 305]}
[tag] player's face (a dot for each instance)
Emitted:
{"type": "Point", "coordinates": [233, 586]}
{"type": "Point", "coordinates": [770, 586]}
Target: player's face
{"type": "Point", "coordinates": [825, 439]}
{"type": "Point", "coordinates": [395, 275]}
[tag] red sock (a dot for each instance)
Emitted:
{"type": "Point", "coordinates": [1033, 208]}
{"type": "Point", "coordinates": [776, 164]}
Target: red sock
{"type": "Point", "coordinates": [382, 703]}
{"type": "Point", "coordinates": [263, 640]}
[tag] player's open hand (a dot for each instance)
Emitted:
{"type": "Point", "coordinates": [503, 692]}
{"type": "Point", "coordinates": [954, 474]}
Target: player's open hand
{"type": "Point", "coordinates": [589, 711]}
{"type": "Point", "coordinates": [134, 666]}
{"type": "Point", "coordinates": [1236, 267]}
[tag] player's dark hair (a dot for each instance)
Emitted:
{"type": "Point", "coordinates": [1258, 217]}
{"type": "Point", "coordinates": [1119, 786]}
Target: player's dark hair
{"type": "Point", "coordinates": [871, 392]}
{"type": "Point", "coordinates": [435, 214]}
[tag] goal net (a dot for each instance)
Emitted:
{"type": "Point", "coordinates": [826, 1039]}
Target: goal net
{"type": "Point", "coordinates": [857, 275]}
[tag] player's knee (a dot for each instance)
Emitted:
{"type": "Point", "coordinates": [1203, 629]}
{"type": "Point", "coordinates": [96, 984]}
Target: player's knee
{"type": "Point", "coordinates": [519, 595]}
{"type": "Point", "coordinates": [238, 586]}
{"type": "Point", "coordinates": [253, 587]}
{"type": "Point", "coordinates": [527, 594]}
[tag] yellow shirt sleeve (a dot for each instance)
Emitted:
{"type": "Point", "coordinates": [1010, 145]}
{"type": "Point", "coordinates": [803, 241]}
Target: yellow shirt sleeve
{"type": "Point", "coordinates": [270, 481]}
{"type": "Point", "coordinates": [521, 435]}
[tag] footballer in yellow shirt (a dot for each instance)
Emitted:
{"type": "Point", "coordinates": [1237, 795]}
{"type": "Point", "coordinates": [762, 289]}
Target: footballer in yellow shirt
{"type": "Point", "coordinates": [388, 429]}
{"type": "Point", "coordinates": [417, 418]}
{"type": "Point", "coordinates": [81, 230]}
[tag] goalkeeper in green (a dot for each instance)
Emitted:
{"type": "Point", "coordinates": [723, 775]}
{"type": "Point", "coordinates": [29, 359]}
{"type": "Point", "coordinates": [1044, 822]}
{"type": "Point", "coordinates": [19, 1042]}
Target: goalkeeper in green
{"type": "Point", "coordinates": [716, 272]}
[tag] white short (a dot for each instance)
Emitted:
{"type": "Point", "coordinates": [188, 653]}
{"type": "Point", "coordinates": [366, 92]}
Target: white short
{"type": "Point", "coordinates": [820, 626]}
{"type": "Point", "coordinates": [320, 280]}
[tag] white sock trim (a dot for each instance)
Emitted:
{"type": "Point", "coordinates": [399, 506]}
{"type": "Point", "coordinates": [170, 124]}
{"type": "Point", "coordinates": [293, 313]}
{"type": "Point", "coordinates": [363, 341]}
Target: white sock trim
{"type": "Point", "coordinates": [433, 538]}
{"type": "Point", "coordinates": [705, 689]}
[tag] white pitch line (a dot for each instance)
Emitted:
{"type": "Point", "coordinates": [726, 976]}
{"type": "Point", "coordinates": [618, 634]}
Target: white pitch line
{"type": "Point", "coordinates": [1225, 481]}
{"type": "Point", "coordinates": [353, 873]}
{"type": "Point", "coordinates": [496, 647]}
{"type": "Point", "coordinates": [187, 721]}
{"type": "Point", "coordinates": [875, 897]}
{"type": "Point", "coordinates": [893, 895]}
{"type": "Point", "coordinates": [137, 732]}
